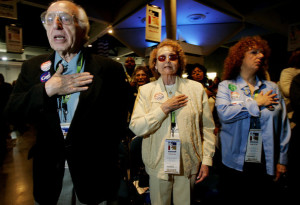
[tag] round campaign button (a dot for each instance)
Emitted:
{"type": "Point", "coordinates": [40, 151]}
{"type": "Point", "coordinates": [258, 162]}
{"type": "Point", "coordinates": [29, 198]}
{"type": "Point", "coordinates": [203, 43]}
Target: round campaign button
{"type": "Point", "coordinates": [45, 76]}
{"type": "Point", "coordinates": [159, 96]}
{"type": "Point", "coordinates": [46, 66]}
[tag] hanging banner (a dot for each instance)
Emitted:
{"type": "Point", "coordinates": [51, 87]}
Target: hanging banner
{"type": "Point", "coordinates": [153, 23]}
{"type": "Point", "coordinates": [294, 37]}
{"type": "Point", "coordinates": [14, 39]}
{"type": "Point", "coordinates": [8, 9]}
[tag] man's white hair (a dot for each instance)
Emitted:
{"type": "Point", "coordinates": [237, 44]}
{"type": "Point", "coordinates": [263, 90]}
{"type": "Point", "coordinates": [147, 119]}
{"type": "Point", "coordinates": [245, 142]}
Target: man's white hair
{"type": "Point", "coordinates": [83, 22]}
{"type": "Point", "coordinates": [82, 18]}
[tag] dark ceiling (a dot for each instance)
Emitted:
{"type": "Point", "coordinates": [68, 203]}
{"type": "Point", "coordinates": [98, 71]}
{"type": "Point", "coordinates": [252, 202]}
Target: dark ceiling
{"type": "Point", "coordinates": [225, 22]}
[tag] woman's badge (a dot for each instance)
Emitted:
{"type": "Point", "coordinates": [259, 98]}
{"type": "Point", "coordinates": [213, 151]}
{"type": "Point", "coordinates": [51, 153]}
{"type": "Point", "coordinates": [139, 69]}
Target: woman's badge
{"type": "Point", "coordinates": [159, 96]}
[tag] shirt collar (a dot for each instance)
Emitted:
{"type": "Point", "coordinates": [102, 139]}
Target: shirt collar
{"type": "Point", "coordinates": [72, 64]}
{"type": "Point", "coordinates": [243, 83]}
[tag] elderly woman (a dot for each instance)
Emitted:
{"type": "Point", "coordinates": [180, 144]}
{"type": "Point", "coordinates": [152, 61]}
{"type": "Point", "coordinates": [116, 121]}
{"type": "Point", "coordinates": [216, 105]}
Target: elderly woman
{"type": "Point", "coordinates": [173, 116]}
{"type": "Point", "coordinates": [255, 131]}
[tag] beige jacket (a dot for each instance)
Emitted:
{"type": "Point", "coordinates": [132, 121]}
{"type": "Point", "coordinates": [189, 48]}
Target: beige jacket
{"type": "Point", "coordinates": [286, 77]}
{"type": "Point", "coordinates": [195, 123]}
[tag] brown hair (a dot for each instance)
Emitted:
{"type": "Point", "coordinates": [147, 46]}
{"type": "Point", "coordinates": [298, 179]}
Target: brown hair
{"type": "Point", "coordinates": [177, 48]}
{"type": "Point", "coordinates": [233, 62]}
{"type": "Point", "coordinates": [143, 68]}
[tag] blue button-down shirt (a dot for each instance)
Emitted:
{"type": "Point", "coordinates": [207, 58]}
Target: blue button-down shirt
{"type": "Point", "coordinates": [71, 68]}
{"type": "Point", "coordinates": [235, 107]}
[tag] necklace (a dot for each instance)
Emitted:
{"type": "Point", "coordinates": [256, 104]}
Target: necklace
{"type": "Point", "coordinates": [169, 89]}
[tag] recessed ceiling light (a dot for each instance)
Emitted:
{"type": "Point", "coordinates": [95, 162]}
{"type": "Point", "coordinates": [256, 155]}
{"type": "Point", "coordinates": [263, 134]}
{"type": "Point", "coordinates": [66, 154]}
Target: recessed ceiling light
{"type": "Point", "coordinates": [196, 17]}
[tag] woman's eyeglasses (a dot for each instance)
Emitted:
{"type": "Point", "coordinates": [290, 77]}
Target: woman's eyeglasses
{"type": "Point", "coordinates": [256, 51]}
{"type": "Point", "coordinates": [64, 18]}
{"type": "Point", "coordinates": [172, 57]}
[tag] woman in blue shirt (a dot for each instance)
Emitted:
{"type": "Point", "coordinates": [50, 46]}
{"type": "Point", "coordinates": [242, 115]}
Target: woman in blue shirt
{"type": "Point", "coordinates": [255, 130]}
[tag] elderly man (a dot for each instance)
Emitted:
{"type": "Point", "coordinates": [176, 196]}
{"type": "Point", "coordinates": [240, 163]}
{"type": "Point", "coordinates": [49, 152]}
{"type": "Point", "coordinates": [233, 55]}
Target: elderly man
{"type": "Point", "coordinates": [75, 108]}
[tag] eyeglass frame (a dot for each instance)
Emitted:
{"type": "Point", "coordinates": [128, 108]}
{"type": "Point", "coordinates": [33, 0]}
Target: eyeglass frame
{"type": "Point", "coordinates": [57, 14]}
{"type": "Point", "coordinates": [254, 51]}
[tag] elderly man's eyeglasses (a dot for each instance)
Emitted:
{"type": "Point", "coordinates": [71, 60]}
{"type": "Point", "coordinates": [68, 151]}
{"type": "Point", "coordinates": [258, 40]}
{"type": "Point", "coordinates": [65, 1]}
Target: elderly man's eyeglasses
{"type": "Point", "coordinates": [172, 57]}
{"type": "Point", "coordinates": [64, 18]}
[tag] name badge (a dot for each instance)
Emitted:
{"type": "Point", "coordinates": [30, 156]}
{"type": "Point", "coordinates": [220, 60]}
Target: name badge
{"type": "Point", "coordinates": [254, 146]}
{"type": "Point", "coordinates": [65, 128]}
{"type": "Point", "coordinates": [172, 156]}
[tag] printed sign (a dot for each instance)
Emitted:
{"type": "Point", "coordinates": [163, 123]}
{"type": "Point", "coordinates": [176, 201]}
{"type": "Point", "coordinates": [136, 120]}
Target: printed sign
{"type": "Point", "coordinates": [8, 9]}
{"type": "Point", "coordinates": [153, 23]}
{"type": "Point", "coordinates": [14, 39]}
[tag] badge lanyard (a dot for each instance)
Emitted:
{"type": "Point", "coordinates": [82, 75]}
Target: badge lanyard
{"type": "Point", "coordinates": [173, 123]}
{"type": "Point", "coordinates": [65, 98]}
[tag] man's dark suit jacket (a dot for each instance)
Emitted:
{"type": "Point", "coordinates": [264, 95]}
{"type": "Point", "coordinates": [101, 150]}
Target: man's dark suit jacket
{"type": "Point", "coordinates": [91, 146]}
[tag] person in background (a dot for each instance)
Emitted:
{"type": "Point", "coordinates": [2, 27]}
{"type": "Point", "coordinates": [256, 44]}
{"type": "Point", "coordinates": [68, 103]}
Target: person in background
{"type": "Point", "coordinates": [129, 66]}
{"type": "Point", "coordinates": [255, 130]}
{"type": "Point", "coordinates": [293, 152]}
{"type": "Point", "coordinates": [286, 77]}
{"type": "Point", "coordinates": [173, 116]}
{"type": "Point", "coordinates": [76, 112]}
{"type": "Point", "coordinates": [138, 176]}
{"type": "Point", "coordinates": [197, 72]}
{"type": "Point", "coordinates": [5, 91]}
{"type": "Point", "coordinates": [214, 89]}
{"type": "Point", "coordinates": [214, 86]}
{"type": "Point", "coordinates": [140, 76]}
